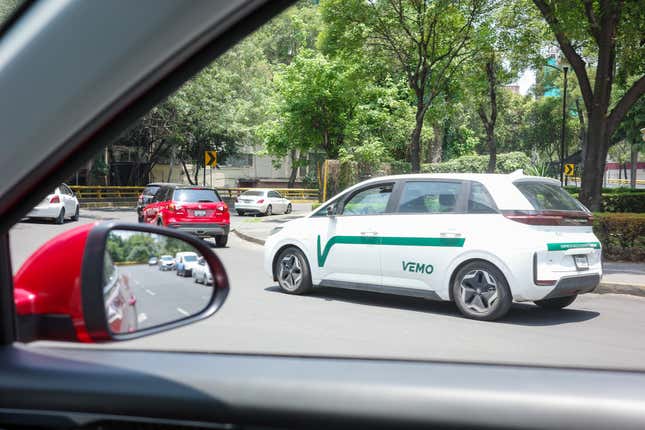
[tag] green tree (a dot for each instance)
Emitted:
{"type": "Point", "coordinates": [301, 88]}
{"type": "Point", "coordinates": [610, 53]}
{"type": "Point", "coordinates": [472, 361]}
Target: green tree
{"type": "Point", "coordinates": [609, 35]}
{"type": "Point", "coordinates": [426, 41]}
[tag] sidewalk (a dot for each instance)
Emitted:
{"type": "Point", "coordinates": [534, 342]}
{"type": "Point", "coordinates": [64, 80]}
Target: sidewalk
{"type": "Point", "coordinates": [618, 278]}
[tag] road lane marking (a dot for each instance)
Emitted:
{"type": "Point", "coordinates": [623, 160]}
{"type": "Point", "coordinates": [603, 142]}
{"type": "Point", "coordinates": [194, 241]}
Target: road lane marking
{"type": "Point", "coordinates": [152, 293]}
{"type": "Point", "coordinates": [142, 317]}
{"type": "Point", "coordinates": [181, 311]}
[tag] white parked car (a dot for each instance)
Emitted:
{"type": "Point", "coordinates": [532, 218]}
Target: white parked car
{"type": "Point", "coordinates": [185, 262]}
{"type": "Point", "coordinates": [202, 273]}
{"type": "Point", "coordinates": [480, 240]}
{"type": "Point", "coordinates": [262, 201]}
{"type": "Point", "coordinates": [166, 262]}
{"type": "Point", "coordinates": [59, 205]}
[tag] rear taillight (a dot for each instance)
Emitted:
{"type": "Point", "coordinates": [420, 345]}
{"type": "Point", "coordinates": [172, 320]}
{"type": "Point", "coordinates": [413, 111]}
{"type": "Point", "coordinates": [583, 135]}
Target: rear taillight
{"type": "Point", "coordinates": [260, 201]}
{"type": "Point", "coordinates": [549, 218]}
{"type": "Point", "coordinates": [54, 199]}
{"type": "Point", "coordinates": [222, 207]}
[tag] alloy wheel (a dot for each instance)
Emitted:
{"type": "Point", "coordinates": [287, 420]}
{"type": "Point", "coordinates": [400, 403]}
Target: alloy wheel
{"type": "Point", "coordinates": [290, 274]}
{"type": "Point", "coordinates": [478, 291]}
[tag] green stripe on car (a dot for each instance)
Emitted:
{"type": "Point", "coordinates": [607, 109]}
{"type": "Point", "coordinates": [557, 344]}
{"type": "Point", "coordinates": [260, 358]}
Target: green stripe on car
{"type": "Point", "coordinates": [387, 241]}
{"type": "Point", "coordinates": [572, 245]}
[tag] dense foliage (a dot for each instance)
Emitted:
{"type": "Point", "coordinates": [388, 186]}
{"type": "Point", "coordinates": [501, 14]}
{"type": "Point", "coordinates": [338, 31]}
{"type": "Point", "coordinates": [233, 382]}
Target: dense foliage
{"type": "Point", "coordinates": [409, 82]}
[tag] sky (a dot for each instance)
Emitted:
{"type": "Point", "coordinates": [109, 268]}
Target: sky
{"type": "Point", "coordinates": [525, 81]}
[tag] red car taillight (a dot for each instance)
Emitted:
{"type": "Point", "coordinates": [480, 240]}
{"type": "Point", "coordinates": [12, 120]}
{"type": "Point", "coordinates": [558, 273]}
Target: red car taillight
{"type": "Point", "coordinates": [549, 217]}
{"type": "Point", "coordinates": [54, 199]}
{"type": "Point", "coordinates": [222, 207]}
{"type": "Point", "coordinates": [260, 201]}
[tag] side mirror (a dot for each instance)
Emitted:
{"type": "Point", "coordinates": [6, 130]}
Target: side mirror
{"type": "Point", "coordinates": [331, 210]}
{"type": "Point", "coordinates": [94, 283]}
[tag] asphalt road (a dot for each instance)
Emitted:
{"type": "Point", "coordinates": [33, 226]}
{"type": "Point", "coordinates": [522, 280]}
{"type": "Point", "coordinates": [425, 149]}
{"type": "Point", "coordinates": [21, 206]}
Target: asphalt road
{"type": "Point", "coordinates": [600, 331]}
{"type": "Point", "coordinates": [163, 297]}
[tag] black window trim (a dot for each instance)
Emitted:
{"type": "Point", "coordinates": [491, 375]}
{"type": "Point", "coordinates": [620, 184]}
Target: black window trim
{"type": "Point", "coordinates": [343, 200]}
{"type": "Point", "coordinates": [461, 205]}
{"type": "Point", "coordinates": [495, 207]}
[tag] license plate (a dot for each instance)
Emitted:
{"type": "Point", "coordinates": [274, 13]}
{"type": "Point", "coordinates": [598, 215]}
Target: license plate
{"type": "Point", "coordinates": [246, 201]}
{"type": "Point", "coordinates": [582, 263]}
{"type": "Point", "coordinates": [200, 213]}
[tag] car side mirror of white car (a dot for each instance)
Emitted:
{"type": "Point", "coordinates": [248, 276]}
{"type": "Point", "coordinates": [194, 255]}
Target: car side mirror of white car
{"type": "Point", "coordinates": [331, 210]}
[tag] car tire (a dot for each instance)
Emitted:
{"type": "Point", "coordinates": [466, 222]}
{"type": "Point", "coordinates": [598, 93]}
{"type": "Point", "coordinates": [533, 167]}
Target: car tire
{"type": "Point", "coordinates": [269, 211]}
{"type": "Point", "coordinates": [481, 291]}
{"type": "Point", "coordinates": [292, 271]}
{"type": "Point", "coordinates": [289, 209]}
{"type": "Point", "coordinates": [61, 216]}
{"type": "Point", "coordinates": [76, 213]}
{"type": "Point", "coordinates": [221, 240]}
{"type": "Point", "coordinates": [240, 213]}
{"type": "Point", "coordinates": [556, 302]}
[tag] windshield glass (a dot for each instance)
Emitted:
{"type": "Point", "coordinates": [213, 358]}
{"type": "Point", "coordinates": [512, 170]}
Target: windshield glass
{"type": "Point", "coordinates": [545, 196]}
{"type": "Point", "coordinates": [195, 195]}
{"type": "Point", "coordinates": [417, 149]}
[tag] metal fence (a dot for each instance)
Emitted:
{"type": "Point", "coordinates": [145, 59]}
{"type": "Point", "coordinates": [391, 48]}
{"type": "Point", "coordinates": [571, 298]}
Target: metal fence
{"type": "Point", "coordinates": [102, 196]}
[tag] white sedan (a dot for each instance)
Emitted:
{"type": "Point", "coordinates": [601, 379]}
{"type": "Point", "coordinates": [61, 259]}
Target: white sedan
{"type": "Point", "coordinates": [202, 273]}
{"type": "Point", "coordinates": [262, 201]}
{"type": "Point", "coordinates": [60, 204]}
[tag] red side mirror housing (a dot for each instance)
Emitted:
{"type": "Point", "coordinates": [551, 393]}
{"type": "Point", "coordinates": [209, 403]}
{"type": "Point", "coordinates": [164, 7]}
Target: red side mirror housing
{"type": "Point", "coordinates": [62, 291]}
{"type": "Point", "coordinates": [47, 289]}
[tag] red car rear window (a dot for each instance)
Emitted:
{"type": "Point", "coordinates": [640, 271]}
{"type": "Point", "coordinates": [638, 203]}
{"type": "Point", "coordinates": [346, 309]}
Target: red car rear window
{"type": "Point", "coordinates": [195, 195]}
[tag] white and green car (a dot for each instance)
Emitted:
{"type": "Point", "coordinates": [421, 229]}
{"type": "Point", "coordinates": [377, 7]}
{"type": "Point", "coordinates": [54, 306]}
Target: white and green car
{"type": "Point", "coordinates": [480, 240]}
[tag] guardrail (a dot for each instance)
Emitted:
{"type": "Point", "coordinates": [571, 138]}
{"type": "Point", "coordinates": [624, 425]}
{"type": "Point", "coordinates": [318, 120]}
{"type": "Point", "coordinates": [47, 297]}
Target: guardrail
{"type": "Point", "coordinates": [96, 196]}
{"type": "Point", "coordinates": [613, 181]}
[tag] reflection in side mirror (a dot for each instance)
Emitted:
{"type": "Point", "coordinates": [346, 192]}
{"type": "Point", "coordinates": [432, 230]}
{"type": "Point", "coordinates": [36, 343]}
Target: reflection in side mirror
{"type": "Point", "coordinates": [116, 281]}
{"type": "Point", "coordinates": [331, 210]}
{"type": "Point", "coordinates": [137, 295]}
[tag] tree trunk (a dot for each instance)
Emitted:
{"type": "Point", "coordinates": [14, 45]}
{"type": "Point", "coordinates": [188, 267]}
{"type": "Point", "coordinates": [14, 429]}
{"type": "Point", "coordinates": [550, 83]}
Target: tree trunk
{"type": "Point", "coordinates": [492, 150]}
{"type": "Point", "coordinates": [594, 163]}
{"type": "Point", "coordinates": [436, 147]}
{"type": "Point", "coordinates": [172, 163]}
{"type": "Point", "coordinates": [294, 168]}
{"type": "Point", "coordinates": [415, 140]}
{"type": "Point", "coordinates": [633, 168]}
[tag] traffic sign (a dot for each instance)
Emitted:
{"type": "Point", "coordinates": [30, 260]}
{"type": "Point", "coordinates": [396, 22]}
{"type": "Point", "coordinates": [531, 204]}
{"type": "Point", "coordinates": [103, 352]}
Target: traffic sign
{"type": "Point", "coordinates": [210, 158]}
{"type": "Point", "coordinates": [569, 169]}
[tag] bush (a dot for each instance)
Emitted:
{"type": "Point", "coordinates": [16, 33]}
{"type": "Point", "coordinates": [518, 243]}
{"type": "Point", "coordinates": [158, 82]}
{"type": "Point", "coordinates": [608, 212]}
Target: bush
{"type": "Point", "coordinates": [624, 202]}
{"type": "Point", "coordinates": [622, 235]}
{"type": "Point", "coordinates": [506, 163]}
{"type": "Point", "coordinates": [619, 190]}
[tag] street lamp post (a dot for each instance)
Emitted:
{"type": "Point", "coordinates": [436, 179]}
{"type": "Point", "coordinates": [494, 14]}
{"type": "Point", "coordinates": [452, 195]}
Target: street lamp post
{"type": "Point", "coordinates": [564, 121]}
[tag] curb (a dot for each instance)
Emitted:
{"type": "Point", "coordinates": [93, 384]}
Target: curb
{"type": "Point", "coordinates": [248, 238]}
{"type": "Point", "coordinates": [603, 288]}
{"type": "Point", "coordinates": [620, 288]}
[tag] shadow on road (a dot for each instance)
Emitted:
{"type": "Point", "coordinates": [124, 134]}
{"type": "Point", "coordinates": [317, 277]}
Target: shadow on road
{"type": "Point", "coordinates": [520, 313]}
{"type": "Point", "coordinates": [44, 221]}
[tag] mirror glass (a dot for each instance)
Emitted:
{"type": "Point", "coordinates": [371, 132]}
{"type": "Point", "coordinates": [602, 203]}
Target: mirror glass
{"type": "Point", "coordinates": [150, 279]}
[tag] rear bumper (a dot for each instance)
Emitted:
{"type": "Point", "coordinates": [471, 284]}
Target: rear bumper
{"type": "Point", "coordinates": [572, 285]}
{"type": "Point", "coordinates": [202, 229]}
{"type": "Point", "coordinates": [45, 211]}
{"type": "Point", "coordinates": [250, 207]}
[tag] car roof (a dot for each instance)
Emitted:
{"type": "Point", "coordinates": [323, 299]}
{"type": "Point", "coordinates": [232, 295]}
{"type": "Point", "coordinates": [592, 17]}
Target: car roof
{"type": "Point", "coordinates": [485, 178]}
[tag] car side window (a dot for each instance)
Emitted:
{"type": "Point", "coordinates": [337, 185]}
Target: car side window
{"type": "Point", "coordinates": [273, 194]}
{"type": "Point", "coordinates": [480, 201]}
{"type": "Point", "coordinates": [65, 190]}
{"type": "Point", "coordinates": [369, 201]}
{"type": "Point", "coordinates": [161, 192]}
{"type": "Point", "coordinates": [429, 197]}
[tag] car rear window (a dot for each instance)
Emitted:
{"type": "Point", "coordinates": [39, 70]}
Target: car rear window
{"type": "Point", "coordinates": [195, 195]}
{"type": "Point", "coordinates": [190, 258]}
{"type": "Point", "coordinates": [545, 196]}
{"type": "Point", "coordinates": [253, 193]}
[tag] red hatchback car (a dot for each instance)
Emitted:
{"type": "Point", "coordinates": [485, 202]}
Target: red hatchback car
{"type": "Point", "coordinates": [196, 210]}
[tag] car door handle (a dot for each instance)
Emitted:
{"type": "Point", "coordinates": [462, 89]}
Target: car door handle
{"type": "Point", "coordinates": [450, 234]}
